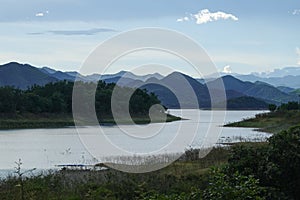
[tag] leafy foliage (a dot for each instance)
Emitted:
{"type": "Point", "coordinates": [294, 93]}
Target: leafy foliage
{"type": "Point", "coordinates": [246, 103]}
{"type": "Point", "coordinates": [232, 186]}
{"type": "Point", "coordinates": [292, 105]}
{"type": "Point", "coordinates": [275, 164]}
{"type": "Point", "coordinates": [57, 98]}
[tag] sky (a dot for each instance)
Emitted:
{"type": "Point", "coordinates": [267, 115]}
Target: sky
{"type": "Point", "coordinates": [239, 36]}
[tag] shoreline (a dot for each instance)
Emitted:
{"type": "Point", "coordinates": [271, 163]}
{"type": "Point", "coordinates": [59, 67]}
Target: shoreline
{"type": "Point", "coordinates": [44, 121]}
{"type": "Point", "coordinates": [271, 122]}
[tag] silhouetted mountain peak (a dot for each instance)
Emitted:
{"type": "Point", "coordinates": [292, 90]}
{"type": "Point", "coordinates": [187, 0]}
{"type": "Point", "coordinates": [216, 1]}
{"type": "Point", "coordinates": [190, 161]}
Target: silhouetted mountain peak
{"type": "Point", "coordinates": [231, 78]}
{"type": "Point", "coordinates": [23, 76]}
{"type": "Point", "coordinates": [17, 65]}
{"type": "Point", "coordinates": [178, 76]}
{"type": "Point", "coordinates": [262, 83]}
{"type": "Point", "coordinates": [48, 70]}
{"type": "Point", "coordinates": [152, 80]}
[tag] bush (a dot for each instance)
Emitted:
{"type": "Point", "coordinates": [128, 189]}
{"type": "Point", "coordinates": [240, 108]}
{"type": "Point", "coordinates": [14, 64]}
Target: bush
{"type": "Point", "coordinates": [232, 186]}
{"type": "Point", "coordinates": [276, 164]}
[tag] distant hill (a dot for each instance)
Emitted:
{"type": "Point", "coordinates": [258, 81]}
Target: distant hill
{"type": "Point", "coordinates": [23, 76]}
{"type": "Point", "coordinates": [63, 76]}
{"type": "Point", "coordinates": [240, 94]}
{"type": "Point", "coordinates": [292, 81]}
{"type": "Point", "coordinates": [166, 88]}
{"type": "Point", "coordinates": [231, 83]}
{"type": "Point", "coordinates": [296, 92]}
{"type": "Point", "coordinates": [258, 89]}
{"type": "Point", "coordinates": [246, 103]}
{"type": "Point", "coordinates": [287, 77]}
{"type": "Point", "coordinates": [123, 74]}
{"type": "Point", "coordinates": [201, 90]}
{"type": "Point", "coordinates": [286, 71]}
{"type": "Point", "coordinates": [180, 85]}
{"type": "Point", "coordinates": [128, 82]}
{"type": "Point", "coordinates": [286, 89]}
{"type": "Point", "coordinates": [48, 70]}
{"type": "Point", "coordinates": [165, 95]}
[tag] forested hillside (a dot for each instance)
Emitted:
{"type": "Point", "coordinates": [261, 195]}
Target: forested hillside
{"type": "Point", "coordinates": [56, 98]}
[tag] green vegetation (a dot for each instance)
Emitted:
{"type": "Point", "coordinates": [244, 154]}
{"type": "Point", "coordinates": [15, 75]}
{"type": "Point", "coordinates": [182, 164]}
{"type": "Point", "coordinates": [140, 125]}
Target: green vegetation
{"type": "Point", "coordinates": [243, 171]}
{"type": "Point", "coordinates": [296, 92]}
{"type": "Point", "coordinates": [280, 118]}
{"type": "Point", "coordinates": [272, 107]}
{"type": "Point", "coordinates": [177, 180]}
{"type": "Point", "coordinates": [50, 106]}
{"type": "Point", "coordinates": [276, 164]}
{"type": "Point", "coordinates": [246, 103]}
{"type": "Point", "coordinates": [29, 120]}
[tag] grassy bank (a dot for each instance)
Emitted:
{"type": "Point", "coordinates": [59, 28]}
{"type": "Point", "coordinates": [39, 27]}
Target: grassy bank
{"type": "Point", "coordinates": [30, 121]}
{"type": "Point", "coordinates": [182, 177]}
{"type": "Point", "coordinates": [273, 122]}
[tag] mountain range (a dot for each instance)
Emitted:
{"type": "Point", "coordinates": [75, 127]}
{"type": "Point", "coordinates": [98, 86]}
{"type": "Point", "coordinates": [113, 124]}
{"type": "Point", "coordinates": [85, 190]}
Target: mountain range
{"type": "Point", "coordinates": [285, 77]}
{"type": "Point", "coordinates": [257, 91]}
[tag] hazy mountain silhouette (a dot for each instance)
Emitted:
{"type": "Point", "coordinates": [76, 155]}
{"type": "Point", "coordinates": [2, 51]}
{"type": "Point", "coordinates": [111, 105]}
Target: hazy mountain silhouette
{"type": "Point", "coordinates": [172, 89]}
{"type": "Point", "coordinates": [23, 76]}
{"type": "Point", "coordinates": [258, 89]}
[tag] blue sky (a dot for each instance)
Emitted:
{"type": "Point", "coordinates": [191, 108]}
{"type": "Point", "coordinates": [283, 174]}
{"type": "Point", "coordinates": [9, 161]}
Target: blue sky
{"type": "Point", "coordinates": [246, 36]}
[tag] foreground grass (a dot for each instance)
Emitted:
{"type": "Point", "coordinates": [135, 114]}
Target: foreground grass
{"type": "Point", "coordinates": [31, 121]}
{"type": "Point", "coordinates": [184, 176]}
{"type": "Point", "coordinates": [273, 122]}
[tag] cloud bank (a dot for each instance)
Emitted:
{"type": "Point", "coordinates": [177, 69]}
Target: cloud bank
{"type": "Point", "coordinates": [82, 32]}
{"type": "Point", "coordinates": [204, 16]}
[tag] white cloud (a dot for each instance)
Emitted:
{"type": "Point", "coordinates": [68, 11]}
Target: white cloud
{"type": "Point", "coordinates": [42, 14]}
{"type": "Point", "coordinates": [39, 14]}
{"type": "Point", "coordinates": [204, 16]}
{"type": "Point", "coordinates": [183, 19]}
{"type": "Point", "coordinates": [227, 69]}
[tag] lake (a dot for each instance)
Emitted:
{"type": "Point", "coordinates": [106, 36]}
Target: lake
{"type": "Point", "coordinates": [46, 148]}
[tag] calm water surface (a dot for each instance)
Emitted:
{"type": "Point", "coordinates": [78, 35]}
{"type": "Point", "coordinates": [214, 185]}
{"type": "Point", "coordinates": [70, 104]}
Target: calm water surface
{"type": "Point", "coordinates": [45, 148]}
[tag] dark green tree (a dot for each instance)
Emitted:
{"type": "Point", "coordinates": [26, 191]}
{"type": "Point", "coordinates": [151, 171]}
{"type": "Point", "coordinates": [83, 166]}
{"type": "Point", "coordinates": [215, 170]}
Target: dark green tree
{"type": "Point", "coordinates": [272, 107]}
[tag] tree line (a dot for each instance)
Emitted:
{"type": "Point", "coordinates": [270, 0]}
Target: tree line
{"type": "Point", "coordinates": [292, 105]}
{"type": "Point", "coordinates": [57, 98]}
